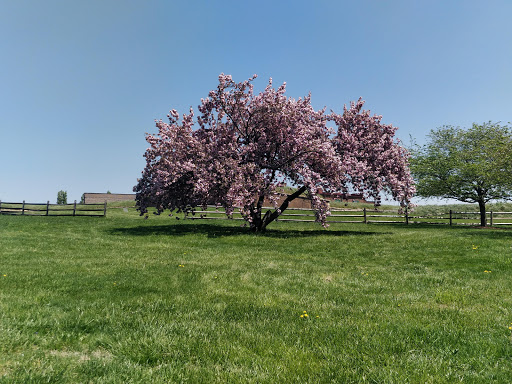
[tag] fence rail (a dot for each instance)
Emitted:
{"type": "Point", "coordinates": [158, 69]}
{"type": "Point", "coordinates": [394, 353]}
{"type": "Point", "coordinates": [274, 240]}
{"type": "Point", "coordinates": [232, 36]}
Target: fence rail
{"type": "Point", "coordinates": [302, 215]}
{"type": "Point", "coordinates": [368, 216]}
{"type": "Point", "coordinates": [47, 209]}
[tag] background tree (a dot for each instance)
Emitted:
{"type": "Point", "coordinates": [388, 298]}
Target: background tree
{"type": "Point", "coordinates": [62, 197]}
{"type": "Point", "coordinates": [246, 146]}
{"type": "Point", "coordinates": [472, 166]}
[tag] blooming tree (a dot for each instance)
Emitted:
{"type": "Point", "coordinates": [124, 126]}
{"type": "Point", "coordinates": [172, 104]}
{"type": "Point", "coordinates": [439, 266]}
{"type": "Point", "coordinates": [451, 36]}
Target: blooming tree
{"type": "Point", "coordinates": [246, 146]}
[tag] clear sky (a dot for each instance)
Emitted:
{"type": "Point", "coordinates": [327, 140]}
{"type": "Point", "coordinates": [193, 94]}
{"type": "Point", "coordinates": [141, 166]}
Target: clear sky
{"type": "Point", "coordinates": [82, 81]}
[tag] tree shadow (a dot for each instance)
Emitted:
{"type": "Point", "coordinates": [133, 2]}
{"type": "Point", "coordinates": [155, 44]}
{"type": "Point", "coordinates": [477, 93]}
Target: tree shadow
{"type": "Point", "coordinates": [215, 231]}
{"type": "Point", "coordinates": [493, 232]}
{"type": "Point", "coordinates": [470, 230]}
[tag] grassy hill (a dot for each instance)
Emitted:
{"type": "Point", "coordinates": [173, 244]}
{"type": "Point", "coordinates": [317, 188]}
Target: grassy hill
{"type": "Point", "coordinates": [122, 299]}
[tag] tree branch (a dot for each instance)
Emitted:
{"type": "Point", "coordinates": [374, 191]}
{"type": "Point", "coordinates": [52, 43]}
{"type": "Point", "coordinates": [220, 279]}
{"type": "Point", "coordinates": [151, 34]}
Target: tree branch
{"type": "Point", "coordinates": [270, 217]}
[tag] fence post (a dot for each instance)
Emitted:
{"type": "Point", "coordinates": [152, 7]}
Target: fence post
{"type": "Point", "coordinates": [406, 217]}
{"type": "Point", "coordinates": [0, 206]}
{"type": "Point", "coordinates": [364, 216]}
{"type": "Point", "coordinates": [47, 207]}
{"type": "Point", "coordinates": [23, 208]}
{"type": "Point", "coordinates": [451, 218]}
{"type": "Point", "coordinates": [105, 209]}
{"type": "Point", "coordinates": [74, 208]}
{"type": "Point", "coordinates": [491, 217]}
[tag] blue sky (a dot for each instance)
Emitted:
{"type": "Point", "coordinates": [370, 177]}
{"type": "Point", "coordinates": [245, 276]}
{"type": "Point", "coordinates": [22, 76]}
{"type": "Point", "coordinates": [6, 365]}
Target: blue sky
{"type": "Point", "coordinates": [82, 81]}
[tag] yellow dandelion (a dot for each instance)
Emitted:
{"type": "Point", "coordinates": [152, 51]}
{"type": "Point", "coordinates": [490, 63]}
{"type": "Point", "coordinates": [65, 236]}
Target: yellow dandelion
{"type": "Point", "coordinates": [306, 315]}
{"type": "Point", "coordinates": [475, 246]}
{"type": "Point", "coordinates": [304, 312]}
{"type": "Point", "coordinates": [317, 317]}
{"type": "Point", "coordinates": [301, 315]}
{"type": "Point", "coordinates": [510, 328]}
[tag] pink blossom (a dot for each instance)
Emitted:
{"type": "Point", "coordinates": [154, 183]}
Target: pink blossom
{"type": "Point", "coordinates": [246, 146]}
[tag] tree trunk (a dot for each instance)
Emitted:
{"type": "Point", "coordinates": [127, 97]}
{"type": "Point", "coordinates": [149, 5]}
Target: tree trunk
{"type": "Point", "coordinates": [255, 222]}
{"type": "Point", "coordinates": [259, 224]}
{"type": "Point", "coordinates": [483, 218]}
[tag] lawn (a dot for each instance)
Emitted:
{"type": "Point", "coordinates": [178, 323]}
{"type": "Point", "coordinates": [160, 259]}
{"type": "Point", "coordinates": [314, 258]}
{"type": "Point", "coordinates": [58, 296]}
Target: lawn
{"type": "Point", "coordinates": [126, 300]}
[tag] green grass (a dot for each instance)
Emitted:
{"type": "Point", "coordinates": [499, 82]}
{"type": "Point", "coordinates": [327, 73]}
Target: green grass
{"type": "Point", "coordinates": [122, 299]}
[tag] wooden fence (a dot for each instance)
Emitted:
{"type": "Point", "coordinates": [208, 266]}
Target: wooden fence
{"type": "Point", "coordinates": [47, 209]}
{"type": "Point", "coordinates": [365, 215]}
{"type": "Point", "coordinates": [369, 216]}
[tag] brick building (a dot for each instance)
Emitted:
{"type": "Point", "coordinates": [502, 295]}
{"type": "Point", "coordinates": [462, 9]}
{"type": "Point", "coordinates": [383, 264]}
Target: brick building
{"type": "Point", "coordinates": [300, 202]}
{"type": "Point", "coordinates": [100, 198]}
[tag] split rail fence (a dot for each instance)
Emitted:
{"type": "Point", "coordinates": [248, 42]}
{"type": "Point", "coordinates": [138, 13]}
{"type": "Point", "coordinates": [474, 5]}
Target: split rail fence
{"type": "Point", "coordinates": [368, 216]}
{"type": "Point", "coordinates": [47, 209]}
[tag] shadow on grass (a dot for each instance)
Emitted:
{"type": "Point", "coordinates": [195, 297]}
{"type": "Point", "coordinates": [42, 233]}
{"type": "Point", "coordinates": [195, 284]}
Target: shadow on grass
{"type": "Point", "coordinates": [495, 232]}
{"type": "Point", "coordinates": [217, 230]}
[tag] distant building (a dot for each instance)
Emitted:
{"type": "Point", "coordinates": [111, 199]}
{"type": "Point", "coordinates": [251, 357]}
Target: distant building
{"type": "Point", "coordinates": [300, 202]}
{"type": "Point", "coordinates": [344, 197]}
{"type": "Point", "coordinates": [100, 198]}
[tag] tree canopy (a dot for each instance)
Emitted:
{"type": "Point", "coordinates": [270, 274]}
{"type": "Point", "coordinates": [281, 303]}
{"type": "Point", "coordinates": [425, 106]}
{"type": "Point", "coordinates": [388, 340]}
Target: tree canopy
{"type": "Point", "coordinates": [244, 146]}
{"type": "Point", "coordinates": [470, 165]}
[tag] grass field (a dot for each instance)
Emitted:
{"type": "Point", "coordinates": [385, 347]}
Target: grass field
{"type": "Point", "coordinates": [127, 300]}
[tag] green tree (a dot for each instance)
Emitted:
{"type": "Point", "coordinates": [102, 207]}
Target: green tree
{"type": "Point", "coordinates": [62, 197]}
{"type": "Point", "coordinates": [470, 165]}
